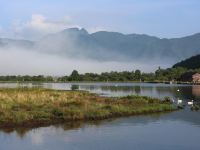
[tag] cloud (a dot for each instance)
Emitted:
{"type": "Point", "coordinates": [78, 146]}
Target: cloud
{"type": "Point", "coordinates": [40, 23]}
{"type": "Point", "coordinates": [37, 27]}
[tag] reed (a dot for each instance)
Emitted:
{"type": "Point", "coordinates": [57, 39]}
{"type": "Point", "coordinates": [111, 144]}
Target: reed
{"type": "Point", "coordinates": [35, 106]}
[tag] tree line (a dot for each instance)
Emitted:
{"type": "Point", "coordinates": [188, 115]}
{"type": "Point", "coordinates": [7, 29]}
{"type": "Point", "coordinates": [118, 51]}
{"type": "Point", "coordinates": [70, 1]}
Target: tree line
{"type": "Point", "coordinates": [160, 75]}
{"type": "Point", "coordinates": [27, 78]}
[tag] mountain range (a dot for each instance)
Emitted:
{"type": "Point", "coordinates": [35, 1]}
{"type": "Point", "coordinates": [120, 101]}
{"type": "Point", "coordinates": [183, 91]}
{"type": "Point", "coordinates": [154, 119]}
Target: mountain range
{"type": "Point", "coordinates": [110, 46]}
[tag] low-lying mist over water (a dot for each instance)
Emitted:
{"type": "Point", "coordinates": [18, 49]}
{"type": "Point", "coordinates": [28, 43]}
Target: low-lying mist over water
{"type": "Point", "coordinates": [19, 61]}
{"type": "Point", "coordinates": [61, 52]}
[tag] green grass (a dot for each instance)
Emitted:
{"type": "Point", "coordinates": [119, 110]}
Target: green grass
{"type": "Point", "coordinates": [35, 107]}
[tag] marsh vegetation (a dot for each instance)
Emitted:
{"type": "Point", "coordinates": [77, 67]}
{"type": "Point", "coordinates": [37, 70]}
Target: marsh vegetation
{"type": "Point", "coordinates": [36, 106]}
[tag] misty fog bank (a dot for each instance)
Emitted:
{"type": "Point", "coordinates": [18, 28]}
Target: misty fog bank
{"type": "Point", "coordinates": [62, 52]}
{"type": "Point", "coordinates": [24, 62]}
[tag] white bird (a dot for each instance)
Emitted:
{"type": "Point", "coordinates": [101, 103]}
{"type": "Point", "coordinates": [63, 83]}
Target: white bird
{"type": "Point", "coordinates": [191, 102]}
{"type": "Point", "coordinates": [178, 90]}
{"type": "Point", "coordinates": [179, 101]}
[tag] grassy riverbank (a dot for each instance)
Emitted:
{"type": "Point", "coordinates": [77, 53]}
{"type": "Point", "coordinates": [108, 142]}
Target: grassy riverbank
{"type": "Point", "coordinates": [35, 107]}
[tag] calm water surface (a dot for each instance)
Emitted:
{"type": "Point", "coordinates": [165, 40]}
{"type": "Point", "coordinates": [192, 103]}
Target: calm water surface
{"type": "Point", "coordinates": [170, 131]}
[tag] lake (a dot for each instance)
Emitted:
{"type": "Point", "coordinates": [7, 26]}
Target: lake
{"type": "Point", "coordinates": [178, 130]}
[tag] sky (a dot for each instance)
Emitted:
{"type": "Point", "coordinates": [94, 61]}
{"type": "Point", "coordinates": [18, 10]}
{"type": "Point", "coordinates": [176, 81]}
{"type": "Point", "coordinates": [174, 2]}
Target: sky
{"type": "Point", "coordinates": [33, 19]}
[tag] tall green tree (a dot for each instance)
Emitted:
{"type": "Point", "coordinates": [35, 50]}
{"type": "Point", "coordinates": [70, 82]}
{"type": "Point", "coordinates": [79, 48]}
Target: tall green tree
{"type": "Point", "coordinates": [137, 75]}
{"type": "Point", "coordinates": [74, 76]}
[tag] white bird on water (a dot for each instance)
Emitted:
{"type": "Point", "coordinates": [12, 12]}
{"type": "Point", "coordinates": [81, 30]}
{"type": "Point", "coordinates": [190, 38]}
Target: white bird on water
{"type": "Point", "coordinates": [191, 102]}
{"type": "Point", "coordinates": [179, 101]}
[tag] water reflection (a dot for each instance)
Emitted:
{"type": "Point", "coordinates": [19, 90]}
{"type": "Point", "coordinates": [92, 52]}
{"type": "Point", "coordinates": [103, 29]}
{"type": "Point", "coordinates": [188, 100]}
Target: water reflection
{"type": "Point", "coordinates": [153, 90]}
{"type": "Point", "coordinates": [122, 89]}
{"type": "Point", "coordinates": [74, 87]}
{"type": "Point", "coordinates": [186, 116]}
{"type": "Point", "coordinates": [196, 91]}
{"type": "Point", "coordinates": [21, 132]}
{"type": "Point", "coordinates": [157, 131]}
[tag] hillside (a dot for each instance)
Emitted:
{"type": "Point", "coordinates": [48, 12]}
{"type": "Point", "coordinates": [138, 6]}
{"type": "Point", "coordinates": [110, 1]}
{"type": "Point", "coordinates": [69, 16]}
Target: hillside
{"type": "Point", "coordinates": [5, 43]}
{"type": "Point", "coordinates": [190, 63]}
{"type": "Point", "coordinates": [116, 46]}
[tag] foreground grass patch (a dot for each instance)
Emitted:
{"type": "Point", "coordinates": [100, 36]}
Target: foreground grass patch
{"type": "Point", "coordinates": [30, 106]}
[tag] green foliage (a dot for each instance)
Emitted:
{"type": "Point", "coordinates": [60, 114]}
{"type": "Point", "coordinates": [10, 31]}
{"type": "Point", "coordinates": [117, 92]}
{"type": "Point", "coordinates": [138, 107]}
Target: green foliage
{"type": "Point", "coordinates": [105, 76]}
{"type": "Point", "coordinates": [167, 100]}
{"type": "Point", "coordinates": [74, 76]}
{"type": "Point", "coordinates": [190, 63]}
{"type": "Point", "coordinates": [57, 112]}
{"type": "Point", "coordinates": [138, 75]}
{"type": "Point", "coordinates": [169, 74]}
{"type": "Point", "coordinates": [26, 78]}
